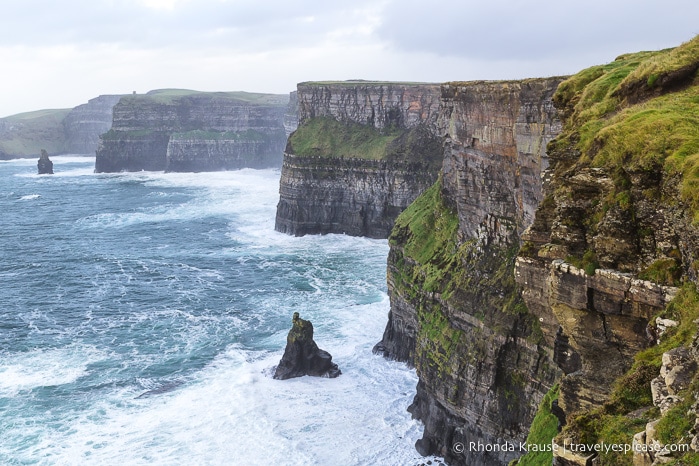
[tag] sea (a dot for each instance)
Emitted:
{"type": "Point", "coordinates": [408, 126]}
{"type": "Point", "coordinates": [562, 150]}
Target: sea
{"type": "Point", "coordinates": [142, 314]}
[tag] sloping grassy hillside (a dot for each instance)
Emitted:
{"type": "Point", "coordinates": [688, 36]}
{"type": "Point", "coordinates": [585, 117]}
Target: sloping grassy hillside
{"type": "Point", "coordinates": [638, 113]}
{"type": "Point", "coordinates": [25, 134]}
{"type": "Point", "coordinates": [327, 137]}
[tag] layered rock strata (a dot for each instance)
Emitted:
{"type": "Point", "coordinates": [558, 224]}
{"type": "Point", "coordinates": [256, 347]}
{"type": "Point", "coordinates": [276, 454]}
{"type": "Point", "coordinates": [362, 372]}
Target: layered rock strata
{"type": "Point", "coordinates": [456, 313]}
{"type": "Point", "coordinates": [601, 319]}
{"type": "Point", "coordinates": [323, 190]}
{"type": "Point", "coordinates": [177, 130]}
{"type": "Point", "coordinates": [377, 104]}
{"type": "Point", "coordinates": [85, 123]}
{"type": "Point", "coordinates": [615, 243]}
{"type": "Point", "coordinates": [291, 117]}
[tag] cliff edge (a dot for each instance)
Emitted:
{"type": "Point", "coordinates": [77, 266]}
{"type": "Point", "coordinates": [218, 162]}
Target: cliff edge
{"type": "Point", "coordinates": [456, 312]}
{"type": "Point", "coordinates": [362, 153]}
{"type": "Point", "coordinates": [65, 131]}
{"type": "Point", "coordinates": [609, 265]}
{"type": "Point", "coordinates": [189, 131]}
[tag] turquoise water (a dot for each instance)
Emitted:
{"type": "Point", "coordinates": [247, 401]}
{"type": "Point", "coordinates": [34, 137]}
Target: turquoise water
{"type": "Point", "coordinates": [141, 313]}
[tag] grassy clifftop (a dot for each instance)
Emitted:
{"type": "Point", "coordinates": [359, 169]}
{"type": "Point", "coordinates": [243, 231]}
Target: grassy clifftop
{"type": "Point", "coordinates": [172, 96]}
{"type": "Point", "coordinates": [634, 125]}
{"type": "Point", "coordinates": [327, 137]}
{"type": "Point", "coordinates": [638, 113]}
{"type": "Point", "coordinates": [25, 134]}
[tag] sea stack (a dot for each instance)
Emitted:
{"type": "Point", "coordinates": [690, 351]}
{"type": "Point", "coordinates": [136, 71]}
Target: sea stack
{"type": "Point", "coordinates": [45, 165]}
{"type": "Point", "coordinates": [302, 356]}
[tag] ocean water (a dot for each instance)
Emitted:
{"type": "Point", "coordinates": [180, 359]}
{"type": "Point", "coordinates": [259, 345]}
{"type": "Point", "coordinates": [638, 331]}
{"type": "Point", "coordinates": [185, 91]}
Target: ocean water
{"type": "Point", "coordinates": [141, 314]}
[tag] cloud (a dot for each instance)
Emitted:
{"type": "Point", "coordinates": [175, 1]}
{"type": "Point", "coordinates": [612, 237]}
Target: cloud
{"type": "Point", "coordinates": [249, 25]}
{"type": "Point", "coordinates": [60, 54]}
{"type": "Point", "coordinates": [535, 29]}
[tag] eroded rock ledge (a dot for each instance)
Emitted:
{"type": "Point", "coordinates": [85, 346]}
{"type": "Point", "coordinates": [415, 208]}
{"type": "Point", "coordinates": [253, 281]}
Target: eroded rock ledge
{"type": "Point", "coordinates": [601, 319]}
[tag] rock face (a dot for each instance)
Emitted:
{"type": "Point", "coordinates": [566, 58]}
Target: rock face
{"type": "Point", "coordinates": [323, 191]}
{"type": "Point", "coordinates": [377, 104]}
{"type": "Point", "coordinates": [84, 124]}
{"type": "Point", "coordinates": [177, 130]}
{"type": "Point", "coordinates": [45, 165]}
{"type": "Point", "coordinates": [456, 313]}
{"type": "Point", "coordinates": [302, 356]}
{"type": "Point", "coordinates": [71, 131]}
{"type": "Point", "coordinates": [614, 238]}
{"type": "Point", "coordinates": [291, 117]}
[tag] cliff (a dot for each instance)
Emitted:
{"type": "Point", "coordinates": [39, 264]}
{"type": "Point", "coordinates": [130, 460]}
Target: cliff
{"type": "Point", "coordinates": [362, 153]}
{"type": "Point", "coordinates": [84, 124]}
{"type": "Point", "coordinates": [66, 131]}
{"type": "Point", "coordinates": [25, 134]}
{"type": "Point", "coordinates": [456, 313]}
{"type": "Point", "coordinates": [179, 130]}
{"type": "Point", "coordinates": [609, 265]}
{"type": "Point", "coordinates": [291, 117]}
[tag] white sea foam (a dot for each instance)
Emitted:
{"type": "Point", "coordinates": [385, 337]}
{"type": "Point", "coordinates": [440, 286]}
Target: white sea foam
{"type": "Point", "coordinates": [233, 413]}
{"type": "Point", "coordinates": [44, 368]}
{"type": "Point", "coordinates": [253, 192]}
{"type": "Point", "coordinates": [230, 411]}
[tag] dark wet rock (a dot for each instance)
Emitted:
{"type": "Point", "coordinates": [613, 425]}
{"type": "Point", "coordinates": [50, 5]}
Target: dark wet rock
{"type": "Point", "coordinates": [302, 355]}
{"type": "Point", "coordinates": [45, 165]}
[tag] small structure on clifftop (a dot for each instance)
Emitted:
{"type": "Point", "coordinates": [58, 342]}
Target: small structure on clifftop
{"type": "Point", "coordinates": [45, 165]}
{"type": "Point", "coordinates": [302, 356]}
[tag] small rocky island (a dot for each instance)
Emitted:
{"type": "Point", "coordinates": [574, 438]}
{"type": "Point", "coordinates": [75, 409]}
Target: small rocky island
{"type": "Point", "coordinates": [302, 356]}
{"type": "Point", "coordinates": [45, 165]}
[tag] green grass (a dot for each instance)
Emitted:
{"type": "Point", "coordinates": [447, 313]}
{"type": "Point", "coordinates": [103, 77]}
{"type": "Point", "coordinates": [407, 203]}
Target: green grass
{"type": "Point", "coordinates": [684, 57]}
{"type": "Point", "coordinates": [57, 114]}
{"type": "Point", "coordinates": [427, 231]}
{"type": "Point", "coordinates": [327, 137]}
{"type": "Point", "coordinates": [33, 131]}
{"type": "Point", "coordinates": [173, 96]}
{"type": "Point", "coordinates": [542, 431]}
{"type": "Point", "coordinates": [674, 426]}
{"type": "Point", "coordinates": [664, 271]}
{"type": "Point", "coordinates": [650, 130]}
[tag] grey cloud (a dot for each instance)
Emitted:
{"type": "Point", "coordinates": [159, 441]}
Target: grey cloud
{"type": "Point", "coordinates": [534, 29]}
{"type": "Point", "coordinates": [249, 25]}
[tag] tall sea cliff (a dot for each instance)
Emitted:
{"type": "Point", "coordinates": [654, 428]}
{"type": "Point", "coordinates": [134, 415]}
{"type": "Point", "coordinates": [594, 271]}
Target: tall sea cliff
{"type": "Point", "coordinates": [179, 130]}
{"type": "Point", "coordinates": [544, 286]}
{"type": "Point", "coordinates": [362, 153]}
{"type": "Point", "coordinates": [510, 290]}
{"type": "Point", "coordinates": [609, 265]}
{"type": "Point", "coordinates": [456, 313]}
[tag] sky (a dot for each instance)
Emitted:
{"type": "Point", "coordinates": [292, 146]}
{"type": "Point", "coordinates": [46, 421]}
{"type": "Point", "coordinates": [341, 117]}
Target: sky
{"type": "Point", "coordinates": [61, 54]}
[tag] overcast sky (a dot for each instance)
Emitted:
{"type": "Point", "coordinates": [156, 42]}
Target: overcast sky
{"type": "Point", "coordinates": [60, 54]}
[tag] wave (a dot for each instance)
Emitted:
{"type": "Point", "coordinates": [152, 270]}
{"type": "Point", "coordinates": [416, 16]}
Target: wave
{"type": "Point", "coordinates": [45, 367]}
